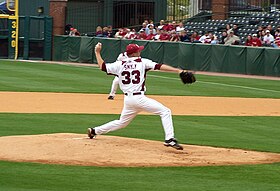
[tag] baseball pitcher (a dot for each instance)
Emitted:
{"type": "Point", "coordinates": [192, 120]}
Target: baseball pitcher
{"type": "Point", "coordinates": [132, 72]}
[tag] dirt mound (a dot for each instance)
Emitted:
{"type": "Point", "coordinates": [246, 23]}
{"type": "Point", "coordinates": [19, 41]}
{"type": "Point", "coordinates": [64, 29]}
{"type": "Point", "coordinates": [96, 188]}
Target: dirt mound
{"type": "Point", "coordinates": [77, 149]}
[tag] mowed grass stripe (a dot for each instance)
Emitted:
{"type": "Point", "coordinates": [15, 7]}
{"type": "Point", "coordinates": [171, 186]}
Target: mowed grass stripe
{"type": "Point", "coordinates": [29, 176]}
{"type": "Point", "coordinates": [25, 76]}
{"type": "Point", "coordinates": [252, 133]}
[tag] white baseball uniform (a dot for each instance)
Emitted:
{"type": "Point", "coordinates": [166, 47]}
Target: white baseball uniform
{"type": "Point", "coordinates": [132, 73]}
{"type": "Point", "coordinates": [115, 82]}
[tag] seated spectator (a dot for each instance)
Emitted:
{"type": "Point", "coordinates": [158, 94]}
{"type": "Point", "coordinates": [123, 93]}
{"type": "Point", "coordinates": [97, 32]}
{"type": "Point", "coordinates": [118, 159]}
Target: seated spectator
{"type": "Point", "coordinates": [121, 33]}
{"type": "Point", "coordinates": [173, 26]}
{"type": "Point", "coordinates": [142, 35]}
{"type": "Point", "coordinates": [145, 28]}
{"type": "Point", "coordinates": [214, 39]}
{"type": "Point", "coordinates": [131, 34]}
{"type": "Point", "coordinates": [105, 32]}
{"type": "Point", "coordinates": [180, 27]}
{"type": "Point", "coordinates": [67, 29]}
{"type": "Point", "coordinates": [207, 40]}
{"type": "Point", "coordinates": [151, 35]}
{"type": "Point", "coordinates": [224, 36]}
{"type": "Point", "coordinates": [161, 24]}
{"type": "Point", "coordinates": [268, 39]}
{"type": "Point", "coordinates": [228, 27]}
{"type": "Point", "coordinates": [277, 38]}
{"type": "Point", "coordinates": [183, 36]}
{"type": "Point", "coordinates": [174, 36]}
{"type": "Point", "coordinates": [272, 32]}
{"type": "Point", "coordinates": [74, 32]}
{"type": "Point", "coordinates": [99, 31]}
{"type": "Point", "coordinates": [203, 37]}
{"type": "Point", "coordinates": [151, 27]}
{"type": "Point", "coordinates": [111, 33]}
{"type": "Point", "coordinates": [256, 41]}
{"type": "Point", "coordinates": [232, 39]}
{"type": "Point", "coordinates": [249, 40]}
{"type": "Point", "coordinates": [164, 36]}
{"type": "Point", "coordinates": [235, 30]}
{"type": "Point", "coordinates": [168, 26]}
{"type": "Point", "coordinates": [195, 37]}
{"type": "Point", "coordinates": [158, 34]}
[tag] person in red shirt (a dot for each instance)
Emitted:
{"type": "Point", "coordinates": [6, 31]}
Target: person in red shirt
{"type": "Point", "coordinates": [277, 38]}
{"type": "Point", "coordinates": [164, 36]}
{"type": "Point", "coordinates": [256, 41]}
{"type": "Point", "coordinates": [142, 35]}
{"type": "Point", "coordinates": [151, 35]}
{"type": "Point", "coordinates": [249, 40]}
{"type": "Point", "coordinates": [174, 36]}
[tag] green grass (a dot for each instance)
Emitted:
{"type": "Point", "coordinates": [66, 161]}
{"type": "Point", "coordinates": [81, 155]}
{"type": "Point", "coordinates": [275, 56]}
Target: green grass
{"type": "Point", "coordinates": [22, 76]}
{"type": "Point", "coordinates": [30, 176]}
{"type": "Point", "coordinates": [252, 133]}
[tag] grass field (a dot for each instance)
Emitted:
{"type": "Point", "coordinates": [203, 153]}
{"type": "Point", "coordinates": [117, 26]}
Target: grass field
{"type": "Point", "coordinates": [260, 133]}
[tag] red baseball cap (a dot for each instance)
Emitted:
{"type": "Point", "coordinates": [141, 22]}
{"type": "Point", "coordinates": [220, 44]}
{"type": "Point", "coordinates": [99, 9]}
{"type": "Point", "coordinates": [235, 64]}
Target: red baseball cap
{"type": "Point", "coordinates": [133, 48]}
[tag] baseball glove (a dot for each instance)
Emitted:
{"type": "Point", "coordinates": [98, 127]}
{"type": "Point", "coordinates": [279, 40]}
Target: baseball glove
{"type": "Point", "coordinates": [187, 77]}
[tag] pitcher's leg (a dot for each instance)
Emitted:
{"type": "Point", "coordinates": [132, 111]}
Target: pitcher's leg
{"type": "Point", "coordinates": [153, 106]}
{"type": "Point", "coordinates": [125, 118]}
{"type": "Point", "coordinates": [114, 86]}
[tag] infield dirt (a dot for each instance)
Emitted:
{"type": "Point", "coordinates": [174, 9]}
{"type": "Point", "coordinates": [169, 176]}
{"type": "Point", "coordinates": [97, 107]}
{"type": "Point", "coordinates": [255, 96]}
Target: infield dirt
{"type": "Point", "coordinates": [77, 149]}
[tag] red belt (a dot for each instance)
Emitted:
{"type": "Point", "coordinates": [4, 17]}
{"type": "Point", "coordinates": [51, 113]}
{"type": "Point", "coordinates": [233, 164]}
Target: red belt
{"type": "Point", "coordinates": [136, 93]}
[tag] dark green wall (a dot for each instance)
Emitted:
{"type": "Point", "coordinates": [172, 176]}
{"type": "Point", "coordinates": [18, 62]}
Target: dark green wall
{"type": "Point", "coordinates": [199, 57]}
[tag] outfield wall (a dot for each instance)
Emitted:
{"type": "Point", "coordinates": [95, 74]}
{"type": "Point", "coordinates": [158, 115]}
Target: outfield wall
{"type": "Point", "coordinates": [200, 57]}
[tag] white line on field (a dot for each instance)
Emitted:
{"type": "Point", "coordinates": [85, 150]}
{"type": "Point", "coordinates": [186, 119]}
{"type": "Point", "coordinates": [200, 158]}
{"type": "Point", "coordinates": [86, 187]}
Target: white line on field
{"type": "Point", "coordinates": [221, 84]}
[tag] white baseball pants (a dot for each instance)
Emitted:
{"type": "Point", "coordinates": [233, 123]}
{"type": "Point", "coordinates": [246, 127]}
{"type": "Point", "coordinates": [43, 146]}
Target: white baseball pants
{"type": "Point", "coordinates": [114, 86]}
{"type": "Point", "coordinates": [133, 104]}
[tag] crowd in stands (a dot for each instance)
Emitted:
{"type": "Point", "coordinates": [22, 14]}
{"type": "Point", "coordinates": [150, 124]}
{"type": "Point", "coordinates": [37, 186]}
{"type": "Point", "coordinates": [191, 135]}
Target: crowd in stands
{"type": "Point", "coordinates": [173, 31]}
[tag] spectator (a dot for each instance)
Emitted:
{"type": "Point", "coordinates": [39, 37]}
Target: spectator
{"type": "Point", "coordinates": [180, 27]}
{"type": "Point", "coordinates": [142, 34]}
{"type": "Point", "coordinates": [164, 36]}
{"type": "Point", "coordinates": [67, 29]}
{"type": "Point", "coordinates": [272, 32]}
{"type": "Point", "coordinates": [161, 24]}
{"type": "Point", "coordinates": [111, 33]}
{"type": "Point", "coordinates": [151, 35]}
{"type": "Point", "coordinates": [214, 39]}
{"type": "Point", "coordinates": [183, 36]}
{"type": "Point", "coordinates": [228, 27]}
{"type": "Point", "coordinates": [249, 40]}
{"type": "Point", "coordinates": [105, 32]}
{"type": "Point", "coordinates": [131, 34]}
{"type": "Point", "coordinates": [151, 27]}
{"type": "Point", "coordinates": [74, 32]}
{"type": "Point", "coordinates": [174, 36]}
{"type": "Point", "coordinates": [232, 39]}
{"type": "Point", "coordinates": [158, 34]}
{"type": "Point", "coordinates": [195, 37]}
{"type": "Point", "coordinates": [224, 36]}
{"type": "Point", "coordinates": [145, 27]}
{"type": "Point", "coordinates": [277, 38]}
{"type": "Point", "coordinates": [268, 40]}
{"type": "Point", "coordinates": [235, 30]}
{"type": "Point", "coordinates": [202, 38]}
{"type": "Point", "coordinates": [256, 41]}
{"type": "Point", "coordinates": [99, 31]}
{"type": "Point", "coordinates": [260, 29]}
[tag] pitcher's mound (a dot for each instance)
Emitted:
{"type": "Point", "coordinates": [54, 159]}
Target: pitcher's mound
{"type": "Point", "coordinates": [77, 149]}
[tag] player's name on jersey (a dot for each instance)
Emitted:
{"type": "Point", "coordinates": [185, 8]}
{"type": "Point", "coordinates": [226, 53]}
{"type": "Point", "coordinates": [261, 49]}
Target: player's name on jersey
{"type": "Point", "coordinates": [129, 66]}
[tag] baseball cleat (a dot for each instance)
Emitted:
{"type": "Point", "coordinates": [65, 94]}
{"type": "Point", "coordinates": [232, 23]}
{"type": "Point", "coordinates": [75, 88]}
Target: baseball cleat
{"type": "Point", "coordinates": [91, 133]}
{"type": "Point", "coordinates": [173, 143]}
{"type": "Point", "coordinates": [111, 97]}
